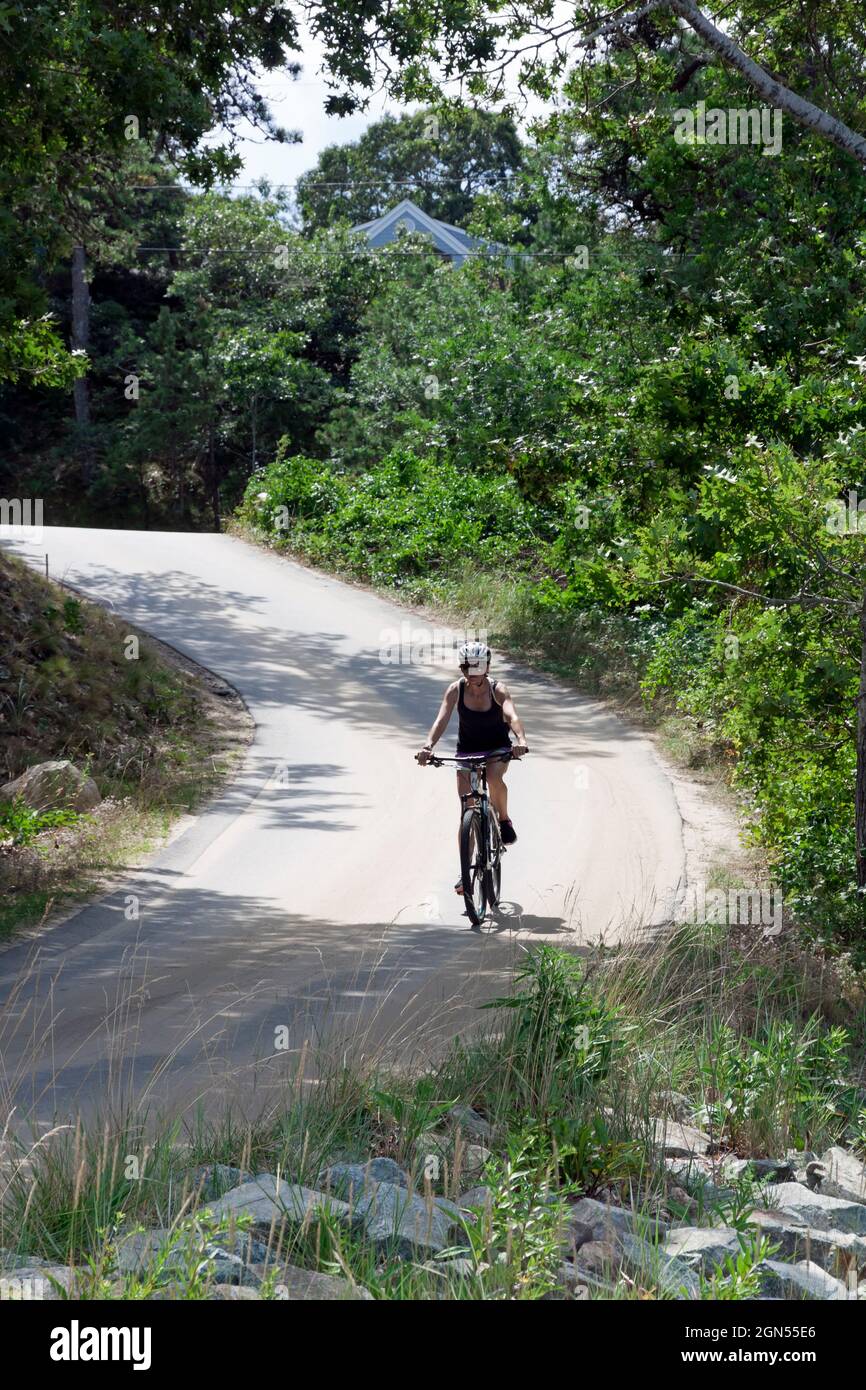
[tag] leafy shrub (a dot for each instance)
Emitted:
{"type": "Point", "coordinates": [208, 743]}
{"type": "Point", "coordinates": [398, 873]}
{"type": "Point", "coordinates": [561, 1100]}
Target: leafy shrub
{"type": "Point", "coordinates": [21, 824]}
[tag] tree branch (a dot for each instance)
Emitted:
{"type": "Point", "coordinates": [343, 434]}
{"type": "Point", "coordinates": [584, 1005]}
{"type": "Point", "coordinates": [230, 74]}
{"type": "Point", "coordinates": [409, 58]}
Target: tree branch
{"type": "Point", "coordinates": [799, 600]}
{"type": "Point", "coordinates": [801, 110]}
{"type": "Point", "coordinates": [804, 112]}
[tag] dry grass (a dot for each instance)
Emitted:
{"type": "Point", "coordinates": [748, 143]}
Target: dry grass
{"type": "Point", "coordinates": [152, 732]}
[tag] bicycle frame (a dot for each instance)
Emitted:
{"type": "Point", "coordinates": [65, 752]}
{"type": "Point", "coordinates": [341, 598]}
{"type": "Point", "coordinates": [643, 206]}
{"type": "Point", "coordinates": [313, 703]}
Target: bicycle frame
{"type": "Point", "coordinates": [482, 877]}
{"type": "Point", "coordinates": [478, 794]}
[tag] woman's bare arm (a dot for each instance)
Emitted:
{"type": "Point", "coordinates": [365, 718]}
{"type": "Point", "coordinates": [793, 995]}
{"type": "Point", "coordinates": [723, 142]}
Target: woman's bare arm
{"type": "Point", "coordinates": [512, 718]}
{"type": "Point", "coordinates": [440, 723]}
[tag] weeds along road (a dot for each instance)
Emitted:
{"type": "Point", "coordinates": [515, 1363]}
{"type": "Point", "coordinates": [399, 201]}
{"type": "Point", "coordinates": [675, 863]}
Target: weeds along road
{"type": "Point", "coordinates": [315, 897]}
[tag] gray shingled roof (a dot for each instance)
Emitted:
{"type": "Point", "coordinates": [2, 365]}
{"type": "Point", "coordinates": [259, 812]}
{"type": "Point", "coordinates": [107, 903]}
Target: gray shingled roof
{"type": "Point", "coordinates": [451, 241]}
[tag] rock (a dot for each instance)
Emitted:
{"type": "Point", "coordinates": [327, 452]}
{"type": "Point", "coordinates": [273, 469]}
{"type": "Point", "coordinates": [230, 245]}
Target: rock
{"type": "Point", "coordinates": [675, 1105]}
{"type": "Point", "coordinates": [433, 1154]}
{"type": "Point", "coordinates": [762, 1169]}
{"type": "Point", "coordinates": [475, 1159]}
{"type": "Point", "coordinates": [846, 1175]}
{"type": "Point", "coordinates": [605, 1221]}
{"type": "Point", "coordinates": [348, 1179]}
{"type": "Point", "coordinates": [271, 1202]}
{"type": "Point", "coordinates": [575, 1233]}
{"type": "Point", "coordinates": [697, 1175]}
{"type": "Point", "coordinates": [32, 1283]}
{"type": "Point", "coordinates": [224, 1267]}
{"type": "Point", "coordinates": [600, 1258]}
{"type": "Point", "coordinates": [10, 1261]}
{"type": "Point", "coordinates": [677, 1140]}
{"type": "Point", "coordinates": [681, 1198]}
{"type": "Point", "coordinates": [213, 1180]}
{"type": "Point", "coordinates": [800, 1280]}
{"type": "Point", "coordinates": [834, 1251]}
{"type": "Point", "coordinates": [476, 1197]}
{"type": "Point", "coordinates": [816, 1209]}
{"type": "Point", "coordinates": [573, 1280]}
{"type": "Point", "coordinates": [395, 1219]}
{"type": "Point", "coordinates": [798, 1158]}
{"type": "Point", "coordinates": [139, 1251]}
{"type": "Point", "coordinates": [293, 1284]}
{"type": "Point", "coordinates": [469, 1120]}
{"type": "Point", "coordinates": [53, 786]}
{"type": "Point", "coordinates": [232, 1293]}
{"type": "Point", "coordinates": [701, 1247]}
{"type": "Point", "coordinates": [655, 1267]}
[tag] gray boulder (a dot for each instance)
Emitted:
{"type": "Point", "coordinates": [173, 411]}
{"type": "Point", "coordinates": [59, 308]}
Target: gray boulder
{"type": "Point", "coordinates": [213, 1180]}
{"type": "Point", "coordinates": [10, 1261]}
{"type": "Point", "coordinates": [233, 1293]}
{"type": "Point", "coordinates": [144, 1250]}
{"type": "Point", "coordinates": [294, 1285]}
{"type": "Point", "coordinates": [701, 1247]}
{"type": "Point", "coordinates": [53, 786]}
{"type": "Point", "coordinates": [601, 1259]}
{"type": "Point", "coordinates": [674, 1139]}
{"type": "Point", "coordinates": [476, 1197]}
{"type": "Point", "coordinates": [37, 1283]}
{"type": "Point", "coordinates": [801, 1280]}
{"type": "Point", "coordinates": [846, 1175]}
{"type": "Point", "coordinates": [817, 1209]}
{"type": "Point", "coordinates": [352, 1179]}
{"type": "Point", "coordinates": [397, 1220]}
{"type": "Point", "coordinates": [654, 1266]}
{"type": "Point", "coordinates": [467, 1119]}
{"type": "Point", "coordinates": [270, 1203]}
{"type": "Point", "coordinates": [606, 1222]}
{"type": "Point", "coordinates": [834, 1251]}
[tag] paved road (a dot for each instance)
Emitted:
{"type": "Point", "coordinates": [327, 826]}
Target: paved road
{"type": "Point", "coordinates": [316, 896]}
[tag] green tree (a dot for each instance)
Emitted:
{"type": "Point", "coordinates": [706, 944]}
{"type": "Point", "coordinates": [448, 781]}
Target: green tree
{"type": "Point", "coordinates": [442, 159]}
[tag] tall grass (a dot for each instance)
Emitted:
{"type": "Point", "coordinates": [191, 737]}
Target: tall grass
{"type": "Point", "coordinates": [569, 1072]}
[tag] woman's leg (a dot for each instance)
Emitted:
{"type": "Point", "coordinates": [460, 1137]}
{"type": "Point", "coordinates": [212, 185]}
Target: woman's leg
{"type": "Point", "coordinates": [463, 789]}
{"type": "Point", "coordinates": [496, 786]}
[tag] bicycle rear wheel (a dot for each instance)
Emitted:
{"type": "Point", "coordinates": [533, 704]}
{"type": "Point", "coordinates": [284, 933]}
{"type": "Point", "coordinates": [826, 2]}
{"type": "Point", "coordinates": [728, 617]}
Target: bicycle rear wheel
{"type": "Point", "coordinates": [472, 865]}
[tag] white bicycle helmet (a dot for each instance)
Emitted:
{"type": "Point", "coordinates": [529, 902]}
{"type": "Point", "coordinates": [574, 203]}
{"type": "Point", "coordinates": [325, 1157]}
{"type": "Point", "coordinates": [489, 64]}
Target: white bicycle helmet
{"type": "Point", "coordinates": [475, 655]}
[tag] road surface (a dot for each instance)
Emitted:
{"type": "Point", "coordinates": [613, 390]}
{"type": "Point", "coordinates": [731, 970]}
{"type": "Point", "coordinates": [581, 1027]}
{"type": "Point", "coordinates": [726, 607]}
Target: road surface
{"type": "Point", "coordinates": [314, 899]}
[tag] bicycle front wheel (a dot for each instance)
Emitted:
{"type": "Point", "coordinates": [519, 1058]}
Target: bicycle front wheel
{"type": "Point", "coordinates": [493, 873]}
{"type": "Point", "coordinates": [472, 865]}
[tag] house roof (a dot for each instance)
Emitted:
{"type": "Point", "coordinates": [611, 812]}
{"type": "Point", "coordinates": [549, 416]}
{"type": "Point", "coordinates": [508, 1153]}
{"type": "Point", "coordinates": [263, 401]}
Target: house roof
{"type": "Point", "coordinates": [406, 215]}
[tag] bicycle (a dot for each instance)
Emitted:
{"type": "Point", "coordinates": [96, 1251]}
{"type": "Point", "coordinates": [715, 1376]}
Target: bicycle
{"type": "Point", "coordinates": [481, 847]}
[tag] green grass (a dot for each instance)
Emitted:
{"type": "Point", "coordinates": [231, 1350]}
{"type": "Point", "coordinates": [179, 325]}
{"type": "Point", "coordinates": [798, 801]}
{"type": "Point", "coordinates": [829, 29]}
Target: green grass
{"type": "Point", "coordinates": [568, 1070]}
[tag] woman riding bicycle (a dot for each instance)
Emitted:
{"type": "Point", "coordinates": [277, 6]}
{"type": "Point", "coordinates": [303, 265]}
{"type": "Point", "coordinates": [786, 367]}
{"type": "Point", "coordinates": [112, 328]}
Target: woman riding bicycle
{"type": "Point", "coordinates": [486, 715]}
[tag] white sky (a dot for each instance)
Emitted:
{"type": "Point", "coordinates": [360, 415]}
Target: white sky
{"type": "Point", "coordinates": [300, 106]}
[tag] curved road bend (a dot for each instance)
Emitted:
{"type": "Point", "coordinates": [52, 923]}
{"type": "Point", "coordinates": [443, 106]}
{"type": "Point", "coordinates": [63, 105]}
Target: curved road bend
{"type": "Point", "coordinates": [316, 894]}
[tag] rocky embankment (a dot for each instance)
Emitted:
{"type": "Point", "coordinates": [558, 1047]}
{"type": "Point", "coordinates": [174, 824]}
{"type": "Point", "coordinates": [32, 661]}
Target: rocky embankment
{"type": "Point", "coordinates": [804, 1229]}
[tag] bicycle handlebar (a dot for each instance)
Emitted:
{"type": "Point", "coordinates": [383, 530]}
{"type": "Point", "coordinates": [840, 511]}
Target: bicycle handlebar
{"type": "Point", "coordinates": [479, 761]}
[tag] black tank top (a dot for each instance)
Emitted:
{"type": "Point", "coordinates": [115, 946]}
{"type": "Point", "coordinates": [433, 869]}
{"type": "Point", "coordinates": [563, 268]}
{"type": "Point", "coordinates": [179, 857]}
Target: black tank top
{"type": "Point", "coordinates": [481, 730]}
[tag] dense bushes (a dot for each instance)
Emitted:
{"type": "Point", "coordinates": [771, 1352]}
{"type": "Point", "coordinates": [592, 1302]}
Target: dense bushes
{"type": "Point", "coordinates": [406, 518]}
